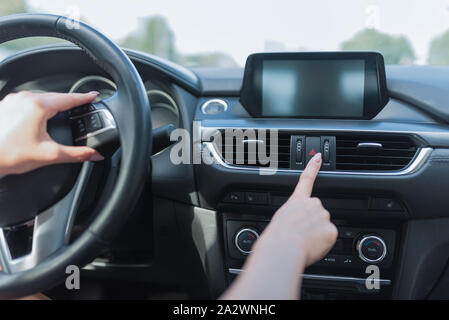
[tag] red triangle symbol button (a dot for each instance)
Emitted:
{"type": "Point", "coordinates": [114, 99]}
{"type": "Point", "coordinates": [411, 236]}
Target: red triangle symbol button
{"type": "Point", "coordinates": [312, 152]}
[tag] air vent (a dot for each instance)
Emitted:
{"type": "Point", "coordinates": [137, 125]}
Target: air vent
{"type": "Point", "coordinates": [242, 156]}
{"type": "Point", "coordinates": [373, 152]}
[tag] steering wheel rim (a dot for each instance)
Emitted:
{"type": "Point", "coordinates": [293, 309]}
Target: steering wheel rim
{"type": "Point", "coordinates": [130, 108]}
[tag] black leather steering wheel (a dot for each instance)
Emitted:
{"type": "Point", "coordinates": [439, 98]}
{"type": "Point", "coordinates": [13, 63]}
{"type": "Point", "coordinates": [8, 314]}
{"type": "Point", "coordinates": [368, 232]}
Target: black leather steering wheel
{"type": "Point", "coordinates": [51, 251]}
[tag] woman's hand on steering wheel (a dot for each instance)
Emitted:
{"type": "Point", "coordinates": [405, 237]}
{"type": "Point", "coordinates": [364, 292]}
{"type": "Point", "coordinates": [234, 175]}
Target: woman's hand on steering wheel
{"type": "Point", "coordinates": [25, 144]}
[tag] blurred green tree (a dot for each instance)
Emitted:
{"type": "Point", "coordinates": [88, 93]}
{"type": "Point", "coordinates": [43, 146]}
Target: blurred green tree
{"type": "Point", "coordinates": [155, 36]}
{"type": "Point", "coordinates": [8, 7]}
{"type": "Point", "coordinates": [395, 49]}
{"type": "Point", "coordinates": [213, 59]}
{"type": "Point", "coordinates": [439, 49]}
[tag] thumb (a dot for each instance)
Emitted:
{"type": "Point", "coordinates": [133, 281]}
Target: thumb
{"type": "Point", "coordinates": [68, 154]}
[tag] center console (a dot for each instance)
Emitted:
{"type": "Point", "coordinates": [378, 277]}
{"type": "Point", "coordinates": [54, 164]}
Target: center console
{"type": "Point", "coordinates": [310, 103]}
{"type": "Point", "coordinates": [342, 273]}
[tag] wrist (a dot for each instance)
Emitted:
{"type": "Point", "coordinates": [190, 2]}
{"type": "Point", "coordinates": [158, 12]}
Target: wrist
{"type": "Point", "coordinates": [281, 257]}
{"type": "Point", "coordinates": [270, 272]}
{"type": "Point", "coordinates": [288, 250]}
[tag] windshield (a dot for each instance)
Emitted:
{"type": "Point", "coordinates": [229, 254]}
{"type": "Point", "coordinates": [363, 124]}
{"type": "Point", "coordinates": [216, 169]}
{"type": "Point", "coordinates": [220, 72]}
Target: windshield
{"type": "Point", "coordinates": [204, 33]}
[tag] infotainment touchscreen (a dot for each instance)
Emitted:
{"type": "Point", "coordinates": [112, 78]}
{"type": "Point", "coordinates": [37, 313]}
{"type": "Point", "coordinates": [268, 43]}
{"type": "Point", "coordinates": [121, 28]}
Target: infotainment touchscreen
{"type": "Point", "coordinates": [348, 85]}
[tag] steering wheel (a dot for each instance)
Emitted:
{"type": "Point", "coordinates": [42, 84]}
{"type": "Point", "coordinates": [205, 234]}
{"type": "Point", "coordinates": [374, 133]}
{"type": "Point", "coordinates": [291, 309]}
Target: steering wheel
{"type": "Point", "coordinates": [49, 198]}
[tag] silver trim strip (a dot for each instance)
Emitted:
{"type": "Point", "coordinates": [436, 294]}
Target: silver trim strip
{"type": "Point", "coordinates": [418, 161]}
{"type": "Point", "coordinates": [327, 277]}
{"type": "Point", "coordinates": [174, 106]}
{"type": "Point", "coordinates": [235, 271]}
{"type": "Point", "coordinates": [102, 264]}
{"type": "Point", "coordinates": [257, 141]}
{"type": "Point", "coordinates": [86, 79]}
{"type": "Point", "coordinates": [370, 145]}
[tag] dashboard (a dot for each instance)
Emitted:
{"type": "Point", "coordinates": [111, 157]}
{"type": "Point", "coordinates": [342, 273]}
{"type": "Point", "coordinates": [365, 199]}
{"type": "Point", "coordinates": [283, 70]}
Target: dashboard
{"type": "Point", "coordinates": [389, 201]}
{"type": "Point", "coordinates": [164, 108]}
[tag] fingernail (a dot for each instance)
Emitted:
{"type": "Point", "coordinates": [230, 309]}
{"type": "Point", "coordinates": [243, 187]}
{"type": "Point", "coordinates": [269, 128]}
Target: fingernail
{"type": "Point", "coordinates": [317, 157]}
{"type": "Point", "coordinates": [94, 93]}
{"type": "Point", "coordinates": [96, 157]}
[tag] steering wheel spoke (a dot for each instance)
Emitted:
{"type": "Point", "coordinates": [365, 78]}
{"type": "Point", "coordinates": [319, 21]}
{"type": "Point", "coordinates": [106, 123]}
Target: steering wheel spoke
{"type": "Point", "coordinates": [51, 229]}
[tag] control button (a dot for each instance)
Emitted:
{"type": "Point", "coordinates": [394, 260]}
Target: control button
{"type": "Point", "coordinates": [347, 233]}
{"type": "Point", "coordinates": [330, 260]}
{"type": "Point", "coordinates": [346, 204]}
{"type": "Point", "coordinates": [235, 197]}
{"type": "Point", "coordinates": [385, 204]}
{"type": "Point", "coordinates": [78, 128]}
{"type": "Point", "coordinates": [299, 150]}
{"type": "Point", "coordinates": [93, 122]}
{"type": "Point", "coordinates": [256, 198]}
{"type": "Point", "coordinates": [245, 239]}
{"type": "Point", "coordinates": [326, 151]}
{"type": "Point", "coordinates": [82, 110]}
{"type": "Point", "coordinates": [371, 249]}
{"type": "Point", "coordinates": [347, 261]}
{"type": "Point", "coordinates": [313, 146]}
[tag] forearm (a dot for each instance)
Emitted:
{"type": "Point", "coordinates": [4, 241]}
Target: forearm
{"type": "Point", "coordinates": [271, 273]}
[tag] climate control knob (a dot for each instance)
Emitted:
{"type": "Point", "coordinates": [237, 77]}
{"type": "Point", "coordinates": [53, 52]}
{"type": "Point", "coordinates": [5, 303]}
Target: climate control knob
{"type": "Point", "coordinates": [371, 249]}
{"type": "Point", "coordinates": [244, 240]}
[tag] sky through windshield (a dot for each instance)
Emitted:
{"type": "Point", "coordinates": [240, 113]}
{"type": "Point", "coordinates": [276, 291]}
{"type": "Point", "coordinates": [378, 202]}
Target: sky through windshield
{"type": "Point", "coordinates": [224, 33]}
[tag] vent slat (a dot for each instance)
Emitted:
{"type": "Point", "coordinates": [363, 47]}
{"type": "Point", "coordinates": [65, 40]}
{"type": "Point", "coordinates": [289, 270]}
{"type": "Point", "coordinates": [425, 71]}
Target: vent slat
{"type": "Point", "coordinates": [282, 154]}
{"type": "Point", "coordinates": [396, 153]}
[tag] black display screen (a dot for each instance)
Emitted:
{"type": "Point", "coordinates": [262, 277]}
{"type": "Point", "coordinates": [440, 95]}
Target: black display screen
{"type": "Point", "coordinates": [315, 85]}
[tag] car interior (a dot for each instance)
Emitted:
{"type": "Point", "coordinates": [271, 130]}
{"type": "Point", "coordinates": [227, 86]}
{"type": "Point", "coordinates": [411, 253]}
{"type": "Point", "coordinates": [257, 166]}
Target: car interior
{"type": "Point", "coordinates": [144, 227]}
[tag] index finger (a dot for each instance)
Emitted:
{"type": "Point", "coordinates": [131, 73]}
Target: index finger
{"type": "Point", "coordinates": [58, 102]}
{"type": "Point", "coordinates": [307, 178]}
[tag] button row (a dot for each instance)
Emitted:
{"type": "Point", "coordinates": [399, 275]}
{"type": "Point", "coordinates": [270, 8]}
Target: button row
{"type": "Point", "coordinates": [337, 261]}
{"type": "Point", "coordinates": [87, 124]}
{"type": "Point", "coordinates": [78, 111]}
{"type": "Point", "coordinates": [247, 197]}
{"type": "Point", "coordinates": [305, 147]}
{"type": "Point", "coordinates": [385, 204]}
{"type": "Point", "coordinates": [363, 203]}
{"type": "Point", "coordinates": [376, 204]}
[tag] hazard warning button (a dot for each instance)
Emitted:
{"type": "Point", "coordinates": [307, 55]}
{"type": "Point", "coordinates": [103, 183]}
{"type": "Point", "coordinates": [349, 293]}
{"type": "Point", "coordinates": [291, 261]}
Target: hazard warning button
{"type": "Point", "coordinates": [313, 146]}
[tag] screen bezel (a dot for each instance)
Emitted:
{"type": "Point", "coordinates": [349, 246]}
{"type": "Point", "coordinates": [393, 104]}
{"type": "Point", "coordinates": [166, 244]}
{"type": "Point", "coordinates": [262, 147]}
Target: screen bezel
{"type": "Point", "coordinates": [375, 90]}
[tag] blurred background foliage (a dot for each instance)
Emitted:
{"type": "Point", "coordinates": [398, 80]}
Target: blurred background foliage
{"type": "Point", "coordinates": [154, 35]}
{"type": "Point", "coordinates": [439, 49]}
{"type": "Point", "coordinates": [395, 49]}
{"type": "Point", "coordinates": [8, 7]}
